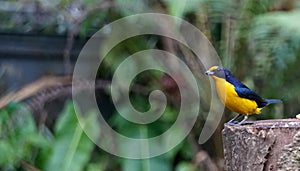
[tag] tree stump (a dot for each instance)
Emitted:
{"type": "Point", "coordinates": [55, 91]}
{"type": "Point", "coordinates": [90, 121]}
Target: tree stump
{"type": "Point", "coordinates": [264, 145]}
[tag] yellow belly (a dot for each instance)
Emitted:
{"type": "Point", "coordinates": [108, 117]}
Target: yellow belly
{"type": "Point", "coordinates": [232, 101]}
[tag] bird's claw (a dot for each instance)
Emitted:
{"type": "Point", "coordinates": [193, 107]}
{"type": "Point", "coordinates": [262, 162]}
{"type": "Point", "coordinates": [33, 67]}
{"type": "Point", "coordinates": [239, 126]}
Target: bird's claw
{"type": "Point", "coordinates": [233, 121]}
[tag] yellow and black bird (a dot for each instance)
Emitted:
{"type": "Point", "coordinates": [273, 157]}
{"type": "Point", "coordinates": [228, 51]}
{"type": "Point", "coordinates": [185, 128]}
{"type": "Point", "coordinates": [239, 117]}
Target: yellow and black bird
{"type": "Point", "coordinates": [236, 96]}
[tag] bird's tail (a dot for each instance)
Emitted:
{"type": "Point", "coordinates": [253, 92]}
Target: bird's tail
{"type": "Point", "coordinates": [270, 101]}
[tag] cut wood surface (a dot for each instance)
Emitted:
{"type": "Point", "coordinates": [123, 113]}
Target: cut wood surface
{"type": "Point", "coordinates": [262, 145]}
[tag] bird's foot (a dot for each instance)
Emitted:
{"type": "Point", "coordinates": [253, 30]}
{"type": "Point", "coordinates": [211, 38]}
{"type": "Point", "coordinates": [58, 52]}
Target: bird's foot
{"type": "Point", "coordinates": [233, 121]}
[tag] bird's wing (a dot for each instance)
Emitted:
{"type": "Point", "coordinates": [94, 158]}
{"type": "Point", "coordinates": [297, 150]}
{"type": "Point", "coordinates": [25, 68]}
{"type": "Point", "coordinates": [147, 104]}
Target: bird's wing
{"type": "Point", "coordinates": [251, 95]}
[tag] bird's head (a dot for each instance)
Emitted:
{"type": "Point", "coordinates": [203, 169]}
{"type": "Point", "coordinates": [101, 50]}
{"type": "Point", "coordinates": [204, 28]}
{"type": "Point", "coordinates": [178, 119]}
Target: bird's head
{"type": "Point", "coordinates": [217, 71]}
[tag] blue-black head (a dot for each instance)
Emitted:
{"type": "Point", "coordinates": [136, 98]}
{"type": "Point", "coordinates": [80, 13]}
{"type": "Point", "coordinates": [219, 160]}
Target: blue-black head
{"type": "Point", "coordinates": [218, 71]}
{"type": "Point", "coordinates": [222, 72]}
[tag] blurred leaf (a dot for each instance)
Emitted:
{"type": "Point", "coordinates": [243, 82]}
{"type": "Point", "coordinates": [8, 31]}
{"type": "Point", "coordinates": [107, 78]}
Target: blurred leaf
{"type": "Point", "coordinates": [19, 137]}
{"type": "Point", "coordinates": [187, 150]}
{"type": "Point", "coordinates": [271, 37]}
{"type": "Point", "coordinates": [8, 157]}
{"type": "Point", "coordinates": [180, 7]}
{"type": "Point", "coordinates": [176, 7]}
{"type": "Point", "coordinates": [169, 115]}
{"type": "Point", "coordinates": [130, 7]}
{"type": "Point", "coordinates": [100, 166]}
{"type": "Point", "coordinates": [72, 148]}
{"type": "Point", "coordinates": [185, 166]}
{"type": "Point", "coordinates": [156, 163]}
{"type": "Point", "coordinates": [274, 41]}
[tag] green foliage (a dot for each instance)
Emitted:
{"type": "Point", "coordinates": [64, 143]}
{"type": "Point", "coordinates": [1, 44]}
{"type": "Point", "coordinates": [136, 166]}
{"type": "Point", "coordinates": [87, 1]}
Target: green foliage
{"type": "Point", "coordinates": [273, 41]}
{"type": "Point", "coordinates": [274, 44]}
{"type": "Point", "coordinates": [156, 163]}
{"type": "Point", "coordinates": [20, 140]}
{"type": "Point", "coordinates": [261, 46]}
{"type": "Point", "coordinates": [180, 8]}
{"type": "Point", "coordinates": [72, 148]}
{"type": "Point", "coordinates": [186, 166]}
{"type": "Point", "coordinates": [123, 50]}
{"type": "Point", "coordinates": [217, 9]}
{"type": "Point", "coordinates": [130, 7]}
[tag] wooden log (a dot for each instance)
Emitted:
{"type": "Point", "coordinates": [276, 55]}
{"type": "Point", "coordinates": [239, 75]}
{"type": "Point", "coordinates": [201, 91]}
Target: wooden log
{"type": "Point", "coordinates": [264, 145]}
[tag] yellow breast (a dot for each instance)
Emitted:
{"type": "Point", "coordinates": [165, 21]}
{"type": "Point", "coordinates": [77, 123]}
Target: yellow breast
{"type": "Point", "coordinates": [231, 100]}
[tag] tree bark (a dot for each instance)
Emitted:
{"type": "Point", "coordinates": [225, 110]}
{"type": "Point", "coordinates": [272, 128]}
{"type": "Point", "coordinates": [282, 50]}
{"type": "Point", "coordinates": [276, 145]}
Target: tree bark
{"type": "Point", "coordinates": [264, 145]}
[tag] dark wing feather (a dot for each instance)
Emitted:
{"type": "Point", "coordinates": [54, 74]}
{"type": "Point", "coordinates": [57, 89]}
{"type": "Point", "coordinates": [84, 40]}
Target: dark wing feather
{"type": "Point", "coordinates": [249, 94]}
{"type": "Point", "coordinates": [243, 91]}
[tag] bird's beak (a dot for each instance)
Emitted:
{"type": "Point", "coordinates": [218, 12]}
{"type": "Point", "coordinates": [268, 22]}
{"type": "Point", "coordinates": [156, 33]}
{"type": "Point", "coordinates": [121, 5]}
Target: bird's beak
{"type": "Point", "coordinates": [209, 72]}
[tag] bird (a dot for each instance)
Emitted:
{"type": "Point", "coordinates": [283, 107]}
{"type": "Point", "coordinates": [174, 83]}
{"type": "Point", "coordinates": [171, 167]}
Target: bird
{"type": "Point", "coordinates": [236, 96]}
